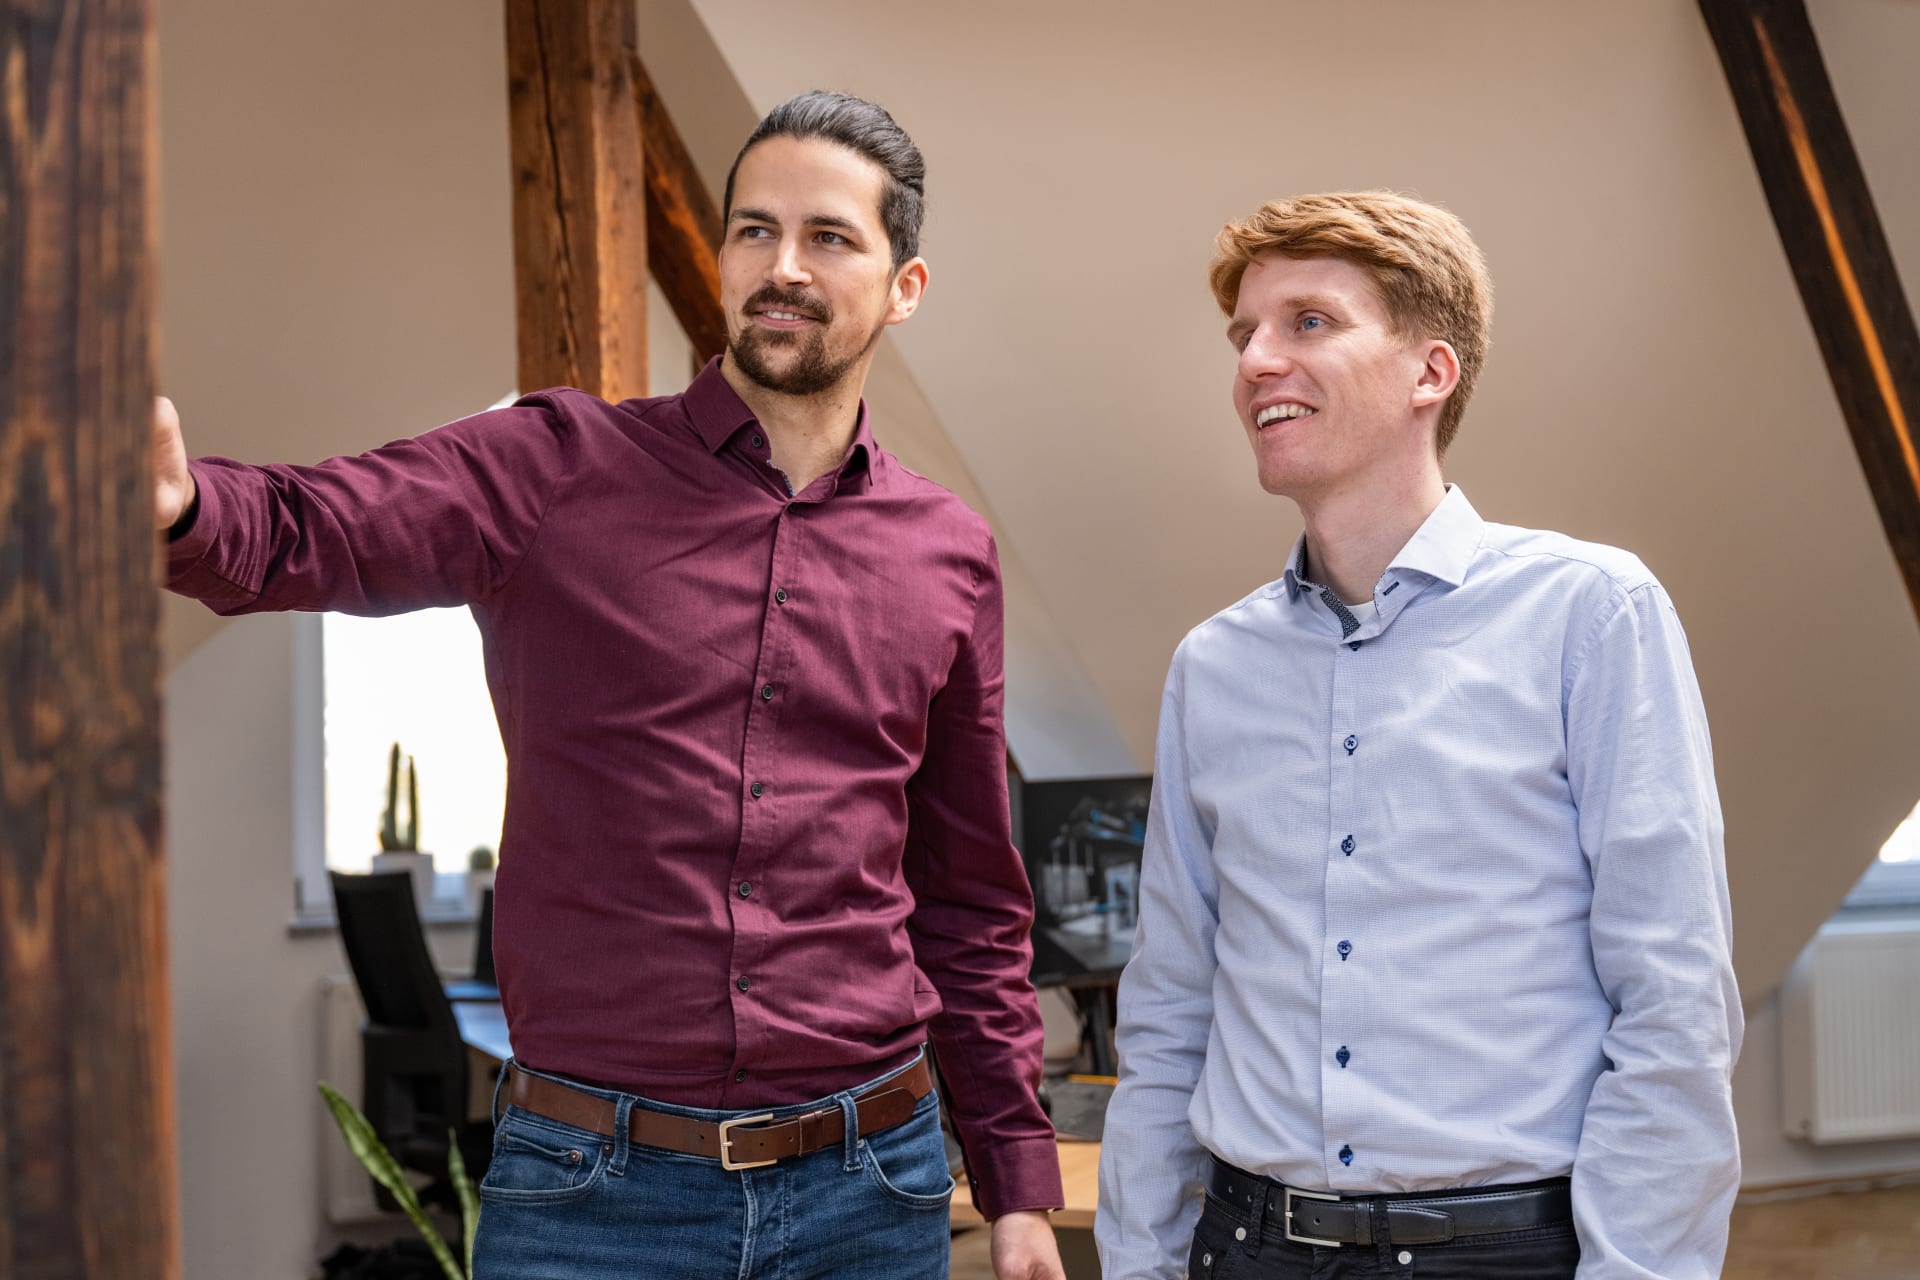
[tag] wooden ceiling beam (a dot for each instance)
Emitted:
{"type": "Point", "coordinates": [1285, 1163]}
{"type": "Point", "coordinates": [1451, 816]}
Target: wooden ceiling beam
{"type": "Point", "coordinates": [1835, 245]}
{"type": "Point", "coordinates": [579, 221]}
{"type": "Point", "coordinates": [87, 1142]}
{"type": "Point", "coordinates": [683, 225]}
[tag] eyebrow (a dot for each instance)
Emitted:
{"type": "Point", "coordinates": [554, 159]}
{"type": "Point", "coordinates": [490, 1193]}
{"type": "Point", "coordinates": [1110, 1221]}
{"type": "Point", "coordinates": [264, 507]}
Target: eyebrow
{"type": "Point", "coordinates": [827, 220]}
{"type": "Point", "coordinates": [1303, 302]}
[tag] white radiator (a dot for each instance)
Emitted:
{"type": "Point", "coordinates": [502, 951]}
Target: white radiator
{"type": "Point", "coordinates": [1850, 1034]}
{"type": "Point", "coordinates": [348, 1190]}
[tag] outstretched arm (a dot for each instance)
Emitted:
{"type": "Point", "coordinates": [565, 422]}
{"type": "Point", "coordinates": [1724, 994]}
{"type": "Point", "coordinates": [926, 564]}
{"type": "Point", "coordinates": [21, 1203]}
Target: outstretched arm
{"type": "Point", "coordinates": [440, 519]}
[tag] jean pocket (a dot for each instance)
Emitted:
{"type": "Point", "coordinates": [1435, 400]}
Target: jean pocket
{"type": "Point", "coordinates": [1533, 1253]}
{"type": "Point", "coordinates": [1212, 1241]}
{"type": "Point", "coordinates": [535, 1162]}
{"type": "Point", "coordinates": [908, 1163]}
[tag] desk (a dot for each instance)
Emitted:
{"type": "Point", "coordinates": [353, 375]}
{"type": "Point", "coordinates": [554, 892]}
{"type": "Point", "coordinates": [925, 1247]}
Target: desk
{"type": "Point", "coordinates": [1079, 1175]}
{"type": "Point", "coordinates": [483, 1025]}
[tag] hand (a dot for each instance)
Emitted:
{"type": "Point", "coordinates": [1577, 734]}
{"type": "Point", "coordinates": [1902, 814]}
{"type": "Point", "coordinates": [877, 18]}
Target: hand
{"type": "Point", "coordinates": [173, 487]}
{"type": "Point", "coordinates": [1023, 1247]}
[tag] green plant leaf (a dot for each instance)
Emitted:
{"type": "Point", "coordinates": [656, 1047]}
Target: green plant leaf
{"type": "Point", "coordinates": [379, 1162]}
{"type": "Point", "coordinates": [463, 1187]}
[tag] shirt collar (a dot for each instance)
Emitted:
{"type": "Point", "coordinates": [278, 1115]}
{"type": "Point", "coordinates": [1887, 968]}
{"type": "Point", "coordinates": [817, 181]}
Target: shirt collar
{"type": "Point", "coordinates": [719, 414]}
{"type": "Point", "coordinates": [1441, 548]}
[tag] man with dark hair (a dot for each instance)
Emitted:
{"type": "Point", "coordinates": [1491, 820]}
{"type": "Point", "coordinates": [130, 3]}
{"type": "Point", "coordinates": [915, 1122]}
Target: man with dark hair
{"type": "Point", "coordinates": [747, 669]}
{"type": "Point", "coordinates": [1432, 976]}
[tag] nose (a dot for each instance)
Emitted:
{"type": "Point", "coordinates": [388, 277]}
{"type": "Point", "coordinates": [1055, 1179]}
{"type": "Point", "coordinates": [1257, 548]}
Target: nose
{"type": "Point", "coordinates": [1266, 355]}
{"type": "Point", "coordinates": [788, 267]}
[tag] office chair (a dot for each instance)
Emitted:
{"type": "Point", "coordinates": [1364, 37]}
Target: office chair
{"type": "Point", "coordinates": [482, 985]}
{"type": "Point", "coordinates": [414, 1062]}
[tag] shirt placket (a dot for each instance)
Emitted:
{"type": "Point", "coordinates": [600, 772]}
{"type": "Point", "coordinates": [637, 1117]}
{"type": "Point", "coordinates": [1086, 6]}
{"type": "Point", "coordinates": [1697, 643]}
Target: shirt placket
{"type": "Point", "coordinates": [752, 902]}
{"type": "Point", "coordinates": [1345, 953]}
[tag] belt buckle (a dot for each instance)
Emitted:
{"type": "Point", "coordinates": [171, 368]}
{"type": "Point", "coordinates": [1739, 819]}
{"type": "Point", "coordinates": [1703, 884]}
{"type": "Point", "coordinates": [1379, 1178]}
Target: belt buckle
{"type": "Point", "coordinates": [726, 1143]}
{"type": "Point", "coordinates": [1287, 1196]}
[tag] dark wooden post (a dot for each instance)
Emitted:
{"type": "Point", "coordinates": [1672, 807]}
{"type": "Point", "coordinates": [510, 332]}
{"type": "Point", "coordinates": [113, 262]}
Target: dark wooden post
{"type": "Point", "coordinates": [683, 226]}
{"type": "Point", "coordinates": [579, 197]}
{"type": "Point", "coordinates": [87, 1185]}
{"type": "Point", "coordinates": [1834, 243]}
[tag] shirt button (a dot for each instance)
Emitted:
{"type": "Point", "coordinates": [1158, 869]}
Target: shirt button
{"type": "Point", "coordinates": [766, 693]}
{"type": "Point", "coordinates": [1343, 1057]}
{"type": "Point", "coordinates": [742, 983]}
{"type": "Point", "coordinates": [759, 789]}
{"type": "Point", "coordinates": [1356, 644]}
{"type": "Point", "coordinates": [757, 442]}
{"type": "Point", "coordinates": [1346, 1155]}
{"type": "Point", "coordinates": [780, 596]}
{"type": "Point", "coordinates": [1345, 948]}
{"type": "Point", "coordinates": [1346, 846]}
{"type": "Point", "coordinates": [1351, 743]}
{"type": "Point", "coordinates": [746, 888]}
{"type": "Point", "coordinates": [1239, 1233]}
{"type": "Point", "coordinates": [1404, 1257]}
{"type": "Point", "coordinates": [739, 1075]}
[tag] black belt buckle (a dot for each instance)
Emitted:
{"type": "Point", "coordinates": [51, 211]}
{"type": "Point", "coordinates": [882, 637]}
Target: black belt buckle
{"type": "Point", "coordinates": [1287, 1196]}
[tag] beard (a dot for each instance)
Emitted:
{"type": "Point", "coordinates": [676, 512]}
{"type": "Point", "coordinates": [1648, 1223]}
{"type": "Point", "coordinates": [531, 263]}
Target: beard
{"type": "Point", "coordinates": [813, 368]}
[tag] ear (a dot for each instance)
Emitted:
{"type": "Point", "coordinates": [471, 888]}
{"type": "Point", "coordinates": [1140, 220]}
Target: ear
{"type": "Point", "coordinates": [909, 286]}
{"type": "Point", "coordinates": [1439, 374]}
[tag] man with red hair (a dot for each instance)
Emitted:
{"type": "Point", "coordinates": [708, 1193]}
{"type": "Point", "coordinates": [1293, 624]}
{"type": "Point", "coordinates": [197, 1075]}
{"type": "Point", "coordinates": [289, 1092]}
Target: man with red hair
{"type": "Point", "coordinates": [1432, 975]}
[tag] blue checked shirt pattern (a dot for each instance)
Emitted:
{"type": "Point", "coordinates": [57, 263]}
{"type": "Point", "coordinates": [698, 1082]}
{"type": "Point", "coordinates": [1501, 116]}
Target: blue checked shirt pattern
{"type": "Point", "coordinates": [1435, 898]}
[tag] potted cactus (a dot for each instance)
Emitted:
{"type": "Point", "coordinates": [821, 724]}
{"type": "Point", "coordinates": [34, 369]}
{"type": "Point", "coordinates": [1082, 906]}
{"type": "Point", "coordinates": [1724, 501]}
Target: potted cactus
{"type": "Point", "coordinates": [479, 875]}
{"type": "Point", "coordinates": [400, 845]}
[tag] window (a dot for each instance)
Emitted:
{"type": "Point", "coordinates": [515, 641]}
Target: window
{"type": "Point", "coordinates": [1894, 878]}
{"type": "Point", "coordinates": [417, 679]}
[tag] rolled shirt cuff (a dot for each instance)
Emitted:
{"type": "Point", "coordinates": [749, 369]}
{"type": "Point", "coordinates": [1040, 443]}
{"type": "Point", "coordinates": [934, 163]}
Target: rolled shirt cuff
{"type": "Point", "coordinates": [190, 567]}
{"type": "Point", "coordinates": [1015, 1176]}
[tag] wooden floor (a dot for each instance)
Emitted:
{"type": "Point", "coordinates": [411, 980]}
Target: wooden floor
{"type": "Point", "coordinates": [1862, 1235]}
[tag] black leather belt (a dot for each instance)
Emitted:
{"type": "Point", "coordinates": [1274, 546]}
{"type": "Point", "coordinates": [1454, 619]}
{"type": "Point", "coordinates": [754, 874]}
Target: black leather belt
{"type": "Point", "coordinates": [1421, 1217]}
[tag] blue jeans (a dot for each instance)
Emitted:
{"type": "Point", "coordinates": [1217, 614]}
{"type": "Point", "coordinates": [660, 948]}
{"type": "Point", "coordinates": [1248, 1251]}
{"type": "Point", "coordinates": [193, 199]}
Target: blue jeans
{"type": "Point", "coordinates": [560, 1203]}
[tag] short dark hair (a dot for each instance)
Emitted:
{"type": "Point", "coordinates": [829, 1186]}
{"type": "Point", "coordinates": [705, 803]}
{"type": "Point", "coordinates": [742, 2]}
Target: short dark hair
{"type": "Point", "coordinates": [866, 129]}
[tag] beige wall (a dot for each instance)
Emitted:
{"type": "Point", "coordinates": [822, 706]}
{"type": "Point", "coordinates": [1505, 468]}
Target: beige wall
{"type": "Point", "coordinates": [1653, 381]}
{"type": "Point", "coordinates": [335, 271]}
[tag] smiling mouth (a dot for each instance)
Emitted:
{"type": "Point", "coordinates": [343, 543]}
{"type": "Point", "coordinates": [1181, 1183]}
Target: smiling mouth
{"type": "Point", "coordinates": [1284, 412]}
{"type": "Point", "coordinates": [780, 319]}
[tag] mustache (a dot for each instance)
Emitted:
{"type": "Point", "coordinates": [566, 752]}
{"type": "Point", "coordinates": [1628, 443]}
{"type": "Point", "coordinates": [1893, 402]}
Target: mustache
{"type": "Point", "coordinates": [769, 297]}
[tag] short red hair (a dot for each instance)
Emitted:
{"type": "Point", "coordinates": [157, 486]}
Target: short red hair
{"type": "Point", "coordinates": [1424, 265]}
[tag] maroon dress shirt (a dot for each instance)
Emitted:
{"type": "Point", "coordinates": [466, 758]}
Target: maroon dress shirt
{"type": "Point", "coordinates": [756, 841]}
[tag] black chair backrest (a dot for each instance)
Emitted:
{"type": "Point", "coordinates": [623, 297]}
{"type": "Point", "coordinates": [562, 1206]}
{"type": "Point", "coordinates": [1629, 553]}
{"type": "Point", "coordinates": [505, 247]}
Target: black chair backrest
{"type": "Point", "coordinates": [483, 939]}
{"type": "Point", "coordinates": [387, 949]}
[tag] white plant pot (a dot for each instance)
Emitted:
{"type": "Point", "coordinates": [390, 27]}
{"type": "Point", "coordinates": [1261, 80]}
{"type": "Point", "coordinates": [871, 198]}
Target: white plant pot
{"type": "Point", "coordinates": [478, 882]}
{"type": "Point", "coordinates": [418, 865]}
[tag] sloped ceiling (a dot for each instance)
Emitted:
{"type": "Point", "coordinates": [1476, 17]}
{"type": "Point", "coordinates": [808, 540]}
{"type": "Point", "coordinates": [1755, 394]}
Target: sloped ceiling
{"type": "Point", "coordinates": [336, 271]}
{"type": "Point", "coordinates": [1653, 383]}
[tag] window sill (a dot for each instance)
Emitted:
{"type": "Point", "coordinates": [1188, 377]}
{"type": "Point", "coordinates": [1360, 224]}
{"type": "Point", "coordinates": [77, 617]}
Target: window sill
{"type": "Point", "coordinates": [1887, 887]}
{"type": "Point", "coordinates": [441, 913]}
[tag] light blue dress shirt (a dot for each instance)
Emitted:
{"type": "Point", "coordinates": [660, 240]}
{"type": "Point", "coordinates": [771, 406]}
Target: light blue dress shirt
{"type": "Point", "coordinates": [1435, 899]}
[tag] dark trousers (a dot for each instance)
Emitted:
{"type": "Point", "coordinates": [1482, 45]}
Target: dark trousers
{"type": "Point", "coordinates": [1228, 1246]}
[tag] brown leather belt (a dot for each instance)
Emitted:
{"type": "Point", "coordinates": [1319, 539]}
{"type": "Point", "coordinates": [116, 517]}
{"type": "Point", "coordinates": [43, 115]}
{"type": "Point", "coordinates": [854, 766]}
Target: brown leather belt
{"type": "Point", "coordinates": [746, 1142]}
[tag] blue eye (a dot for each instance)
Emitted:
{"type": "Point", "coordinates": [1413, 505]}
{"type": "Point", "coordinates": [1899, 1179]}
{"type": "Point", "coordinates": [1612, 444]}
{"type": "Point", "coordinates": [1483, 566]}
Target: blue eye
{"type": "Point", "coordinates": [1312, 322]}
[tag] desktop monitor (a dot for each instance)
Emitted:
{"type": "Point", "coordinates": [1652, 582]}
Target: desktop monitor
{"type": "Point", "coordinates": [1081, 839]}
